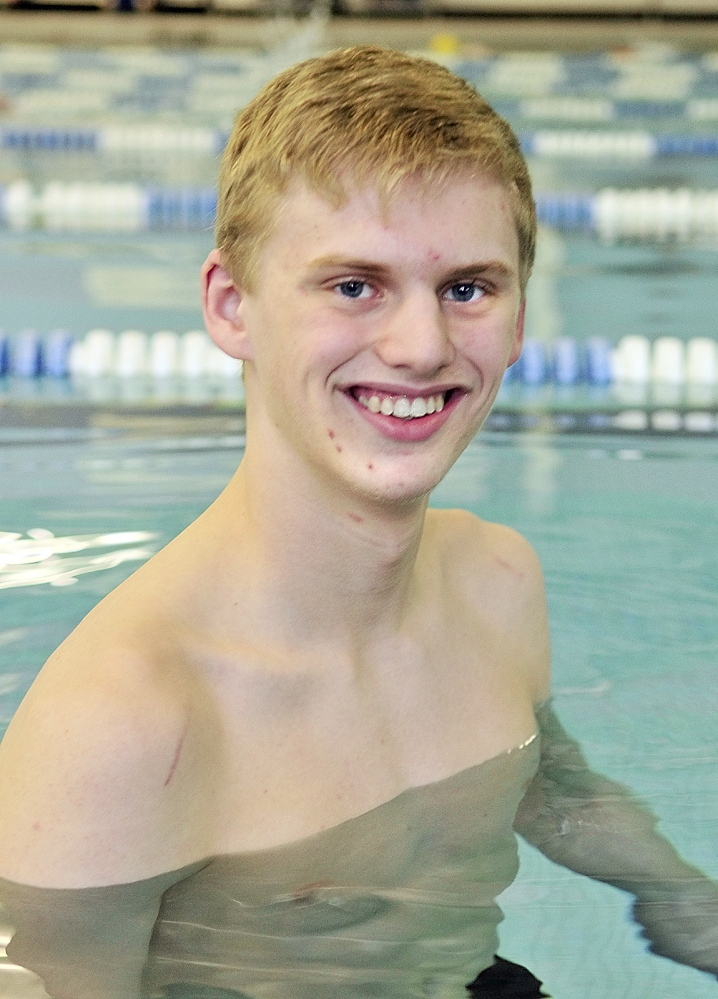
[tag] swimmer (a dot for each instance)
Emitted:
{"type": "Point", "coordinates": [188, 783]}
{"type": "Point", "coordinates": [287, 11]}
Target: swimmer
{"type": "Point", "coordinates": [286, 757]}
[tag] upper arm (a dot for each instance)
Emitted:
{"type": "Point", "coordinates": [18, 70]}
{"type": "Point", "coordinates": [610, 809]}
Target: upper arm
{"type": "Point", "coordinates": [83, 944]}
{"type": "Point", "coordinates": [83, 778]}
{"type": "Point", "coordinates": [526, 616]}
{"type": "Point", "coordinates": [88, 943]}
{"type": "Point", "coordinates": [502, 574]}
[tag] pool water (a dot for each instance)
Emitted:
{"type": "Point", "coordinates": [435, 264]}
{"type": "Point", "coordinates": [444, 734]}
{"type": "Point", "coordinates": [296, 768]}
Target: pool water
{"type": "Point", "coordinates": [627, 530]}
{"type": "Point", "coordinates": [626, 527]}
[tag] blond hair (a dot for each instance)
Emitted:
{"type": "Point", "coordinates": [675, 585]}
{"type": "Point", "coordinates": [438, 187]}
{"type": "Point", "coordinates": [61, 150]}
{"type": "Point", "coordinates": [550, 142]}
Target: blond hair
{"type": "Point", "coordinates": [360, 115]}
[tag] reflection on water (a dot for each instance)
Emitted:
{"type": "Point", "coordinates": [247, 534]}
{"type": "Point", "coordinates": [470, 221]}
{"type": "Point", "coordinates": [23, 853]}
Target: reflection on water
{"type": "Point", "coordinates": [16, 982]}
{"type": "Point", "coordinates": [40, 557]}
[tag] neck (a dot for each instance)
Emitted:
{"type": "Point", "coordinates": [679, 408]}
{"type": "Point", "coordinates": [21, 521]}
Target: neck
{"type": "Point", "coordinates": [325, 566]}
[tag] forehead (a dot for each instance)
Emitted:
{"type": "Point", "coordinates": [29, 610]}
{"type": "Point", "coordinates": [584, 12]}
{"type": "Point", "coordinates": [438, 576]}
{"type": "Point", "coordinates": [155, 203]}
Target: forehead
{"type": "Point", "coordinates": [459, 216]}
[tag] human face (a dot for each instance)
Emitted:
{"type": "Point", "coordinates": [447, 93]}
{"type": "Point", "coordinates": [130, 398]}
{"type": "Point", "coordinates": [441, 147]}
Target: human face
{"type": "Point", "coordinates": [377, 334]}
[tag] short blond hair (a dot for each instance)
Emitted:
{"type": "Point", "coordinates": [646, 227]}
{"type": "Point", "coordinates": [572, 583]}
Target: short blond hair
{"type": "Point", "coordinates": [365, 114]}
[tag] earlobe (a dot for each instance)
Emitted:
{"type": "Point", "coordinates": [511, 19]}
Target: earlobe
{"type": "Point", "coordinates": [221, 307]}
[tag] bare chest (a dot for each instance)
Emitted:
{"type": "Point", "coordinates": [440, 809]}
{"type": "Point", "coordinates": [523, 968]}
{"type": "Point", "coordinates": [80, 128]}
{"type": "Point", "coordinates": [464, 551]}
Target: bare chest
{"type": "Point", "coordinates": [309, 747]}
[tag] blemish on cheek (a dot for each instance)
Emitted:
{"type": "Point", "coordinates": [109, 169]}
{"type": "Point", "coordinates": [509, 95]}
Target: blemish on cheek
{"type": "Point", "coordinates": [370, 467]}
{"type": "Point", "coordinates": [355, 517]}
{"type": "Point", "coordinates": [36, 826]}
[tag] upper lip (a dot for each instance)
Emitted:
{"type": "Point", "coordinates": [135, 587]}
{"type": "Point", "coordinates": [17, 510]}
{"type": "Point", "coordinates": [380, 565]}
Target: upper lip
{"type": "Point", "coordinates": [409, 391]}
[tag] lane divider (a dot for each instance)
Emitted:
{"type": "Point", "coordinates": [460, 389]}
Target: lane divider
{"type": "Point", "coordinates": [656, 214]}
{"type": "Point", "coordinates": [130, 140]}
{"type": "Point", "coordinates": [618, 144]}
{"type": "Point", "coordinates": [102, 207]}
{"type": "Point", "coordinates": [634, 360]}
{"type": "Point", "coordinates": [114, 140]}
{"type": "Point", "coordinates": [565, 361]}
{"type": "Point", "coordinates": [100, 353]}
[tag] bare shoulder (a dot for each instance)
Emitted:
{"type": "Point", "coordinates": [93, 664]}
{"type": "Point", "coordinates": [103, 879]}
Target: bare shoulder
{"type": "Point", "coordinates": [486, 551]}
{"type": "Point", "coordinates": [497, 571]}
{"type": "Point", "coordinates": [103, 754]}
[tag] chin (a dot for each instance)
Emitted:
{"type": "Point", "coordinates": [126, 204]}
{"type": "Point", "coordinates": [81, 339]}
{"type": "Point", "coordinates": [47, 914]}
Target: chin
{"type": "Point", "coordinates": [393, 485]}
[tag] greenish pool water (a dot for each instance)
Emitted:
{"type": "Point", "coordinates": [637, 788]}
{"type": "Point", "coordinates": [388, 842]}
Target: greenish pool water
{"type": "Point", "coordinates": [627, 530]}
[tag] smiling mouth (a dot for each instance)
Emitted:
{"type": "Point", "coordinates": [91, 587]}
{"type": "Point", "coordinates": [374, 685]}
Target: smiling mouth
{"type": "Point", "coordinates": [401, 406]}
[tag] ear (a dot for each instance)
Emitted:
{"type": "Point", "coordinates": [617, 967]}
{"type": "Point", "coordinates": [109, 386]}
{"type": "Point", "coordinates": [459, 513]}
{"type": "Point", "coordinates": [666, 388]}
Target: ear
{"type": "Point", "coordinates": [518, 340]}
{"type": "Point", "coordinates": [221, 301]}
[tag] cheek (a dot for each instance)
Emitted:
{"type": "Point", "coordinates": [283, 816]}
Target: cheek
{"type": "Point", "coordinates": [335, 340]}
{"type": "Point", "coordinates": [492, 344]}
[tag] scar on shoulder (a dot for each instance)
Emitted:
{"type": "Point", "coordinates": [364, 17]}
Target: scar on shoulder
{"type": "Point", "coordinates": [178, 751]}
{"type": "Point", "coordinates": [509, 567]}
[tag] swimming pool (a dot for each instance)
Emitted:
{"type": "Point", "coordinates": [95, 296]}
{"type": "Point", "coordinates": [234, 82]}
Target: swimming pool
{"type": "Point", "coordinates": [627, 532]}
{"type": "Point", "coordinates": [625, 525]}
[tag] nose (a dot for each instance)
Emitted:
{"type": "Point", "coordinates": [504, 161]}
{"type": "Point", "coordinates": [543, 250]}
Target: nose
{"type": "Point", "coordinates": [415, 336]}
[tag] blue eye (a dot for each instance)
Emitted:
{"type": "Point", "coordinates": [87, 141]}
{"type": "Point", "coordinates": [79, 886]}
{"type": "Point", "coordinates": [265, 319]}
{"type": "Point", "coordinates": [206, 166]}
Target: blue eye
{"type": "Point", "coordinates": [352, 289]}
{"type": "Point", "coordinates": [465, 291]}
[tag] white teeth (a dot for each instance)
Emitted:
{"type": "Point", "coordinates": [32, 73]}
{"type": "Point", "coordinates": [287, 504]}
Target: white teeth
{"type": "Point", "coordinates": [418, 407]}
{"type": "Point", "coordinates": [403, 408]}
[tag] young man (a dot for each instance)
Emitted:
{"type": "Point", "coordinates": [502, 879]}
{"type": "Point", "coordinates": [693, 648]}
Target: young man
{"type": "Point", "coordinates": [283, 760]}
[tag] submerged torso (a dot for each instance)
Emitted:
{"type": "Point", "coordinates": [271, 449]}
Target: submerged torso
{"type": "Point", "coordinates": [396, 903]}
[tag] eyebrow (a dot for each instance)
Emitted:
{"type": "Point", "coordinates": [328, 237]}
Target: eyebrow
{"type": "Point", "coordinates": [349, 264]}
{"type": "Point", "coordinates": [497, 268]}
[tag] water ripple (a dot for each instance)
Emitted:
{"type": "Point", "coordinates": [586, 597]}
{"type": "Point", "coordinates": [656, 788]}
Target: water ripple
{"type": "Point", "coordinates": [40, 557]}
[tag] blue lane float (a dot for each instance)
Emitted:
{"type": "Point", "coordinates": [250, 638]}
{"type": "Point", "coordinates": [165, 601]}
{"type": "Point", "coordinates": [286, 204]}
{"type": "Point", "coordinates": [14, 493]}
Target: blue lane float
{"type": "Point", "coordinates": [181, 208]}
{"type": "Point", "coordinates": [49, 140]}
{"type": "Point", "coordinates": [564, 361]}
{"type": "Point", "coordinates": [56, 354]}
{"type": "Point", "coordinates": [566, 210]}
{"type": "Point", "coordinates": [114, 140]}
{"type": "Point", "coordinates": [4, 353]}
{"type": "Point", "coordinates": [567, 367]}
{"type": "Point", "coordinates": [598, 361]}
{"type": "Point", "coordinates": [26, 355]}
